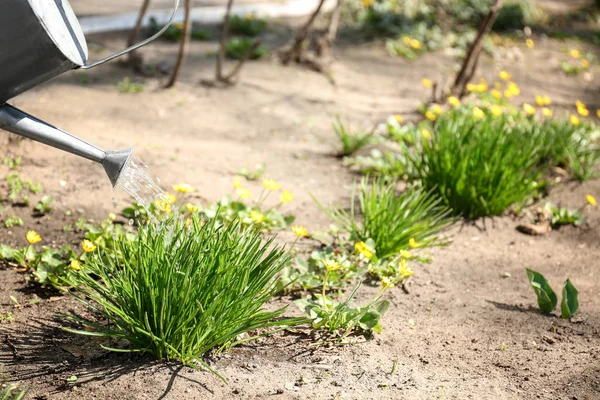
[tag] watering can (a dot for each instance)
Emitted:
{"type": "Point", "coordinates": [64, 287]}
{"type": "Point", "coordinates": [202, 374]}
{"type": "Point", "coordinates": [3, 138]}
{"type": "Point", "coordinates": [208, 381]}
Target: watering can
{"type": "Point", "coordinates": [39, 40]}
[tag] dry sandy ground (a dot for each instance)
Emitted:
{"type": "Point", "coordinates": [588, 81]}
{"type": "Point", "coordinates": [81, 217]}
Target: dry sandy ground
{"type": "Point", "coordinates": [476, 334]}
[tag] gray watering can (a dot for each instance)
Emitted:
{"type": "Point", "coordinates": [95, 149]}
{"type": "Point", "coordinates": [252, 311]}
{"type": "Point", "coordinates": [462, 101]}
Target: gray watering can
{"type": "Point", "coordinates": [39, 40]}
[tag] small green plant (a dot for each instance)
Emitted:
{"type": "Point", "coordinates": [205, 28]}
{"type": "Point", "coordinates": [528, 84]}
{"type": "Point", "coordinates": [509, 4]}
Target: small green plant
{"type": "Point", "coordinates": [6, 317]}
{"type": "Point", "coordinates": [127, 86]}
{"type": "Point", "coordinates": [175, 32]}
{"type": "Point", "coordinates": [341, 319]}
{"type": "Point", "coordinates": [236, 49]}
{"type": "Point", "coordinates": [351, 141]}
{"type": "Point", "coordinates": [394, 222]}
{"type": "Point", "coordinates": [387, 164]}
{"type": "Point", "coordinates": [13, 221]}
{"type": "Point", "coordinates": [180, 291]}
{"type": "Point", "coordinates": [44, 206]}
{"type": "Point", "coordinates": [564, 216]}
{"type": "Point", "coordinates": [19, 190]}
{"type": "Point", "coordinates": [259, 170]}
{"type": "Point", "coordinates": [248, 25]}
{"type": "Point", "coordinates": [12, 162]}
{"type": "Point", "coordinates": [547, 299]}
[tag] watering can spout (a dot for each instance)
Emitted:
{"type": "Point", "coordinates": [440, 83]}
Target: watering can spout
{"type": "Point", "coordinates": [16, 121]}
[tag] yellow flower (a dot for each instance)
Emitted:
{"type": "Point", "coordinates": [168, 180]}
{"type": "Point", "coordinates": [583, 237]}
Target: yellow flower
{"type": "Point", "coordinates": [547, 112]}
{"type": "Point", "coordinates": [237, 182]}
{"type": "Point", "coordinates": [436, 109]}
{"type": "Point", "coordinates": [405, 254]}
{"type": "Point", "coordinates": [430, 116]}
{"type": "Point", "coordinates": [427, 83]}
{"type": "Point", "coordinates": [574, 119]}
{"type": "Point", "coordinates": [529, 43]}
{"type": "Point", "coordinates": [76, 265]}
{"type": "Point", "coordinates": [88, 246]}
{"type": "Point", "coordinates": [257, 216]}
{"type": "Point", "coordinates": [512, 90]}
{"type": "Point", "coordinates": [387, 283]}
{"type": "Point", "coordinates": [426, 134]}
{"type": "Point", "coordinates": [243, 193]}
{"type": "Point", "coordinates": [191, 208]}
{"type": "Point", "coordinates": [398, 118]}
{"type": "Point", "coordinates": [415, 44]}
{"type": "Point", "coordinates": [496, 94]}
{"type": "Point", "coordinates": [300, 231]}
{"type": "Point", "coordinates": [591, 200]}
{"type": "Point", "coordinates": [412, 243]}
{"type": "Point", "coordinates": [171, 198]}
{"type": "Point", "coordinates": [178, 25]}
{"type": "Point", "coordinates": [478, 114]}
{"type": "Point", "coordinates": [598, 113]}
{"type": "Point", "coordinates": [163, 205]}
{"type": "Point", "coordinates": [188, 222]}
{"type": "Point", "coordinates": [406, 40]}
{"type": "Point", "coordinates": [331, 265]}
{"type": "Point", "coordinates": [183, 188]}
{"type": "Point", "coordinates": [453, 101]}
{"type": "Point", "coordinates": [584, 112]}
{"type": "Point", "coordinates": [580, 104]}
{"type": "Point", "coordinates": [112, 216]}
{"type": "Point", "coordinates": [585, 63]}
{"type": "Point", "coordinates": [480, 88]}
{"type": "Point", "coordinates": [405, 271]}
{"type": "Point", "coordinates": [575, 53]}
{"type": "Point", "coordinates": [364, 249]}
{"type": "Point", "coordinates": [471, 87]}
{"type": "Point", "coordinates": [286, 196]}
{"type": "Point", "coordinates": [547, 100]}
{"type": "Point", "coordinates": [529, 109]}
{"type": "Point", "coordinates": [367, 3]}
{"type": "Point", "coordinates": [539, 100]}
{"type": "Point", "coordinates": [504, 75]}
{"type": "Point", "coordinates": [270, 184]}
{"type": "Point", "coordinates": [33, 237]}
{"type": "Point", "coordinates": [496, 110]}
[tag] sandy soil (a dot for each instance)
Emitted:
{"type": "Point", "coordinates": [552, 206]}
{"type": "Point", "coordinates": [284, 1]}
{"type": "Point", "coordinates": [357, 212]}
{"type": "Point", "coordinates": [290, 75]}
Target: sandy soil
{"type": "Point", "coordinates": [475, 333]}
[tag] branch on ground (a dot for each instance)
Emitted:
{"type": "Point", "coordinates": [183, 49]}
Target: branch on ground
{"type": "Point", "coordinates": [325, 42]}
{"type": "Point", "coordinates": [134, 59]}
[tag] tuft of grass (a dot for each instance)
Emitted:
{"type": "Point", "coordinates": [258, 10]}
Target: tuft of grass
{"type": "Point", "coordinates": [237, 48]}
{"type": "Point", "coordinates": [480, 167]}
{"type": "Point", "coordinates": [11, 392]}
{"type": "Point", "coordinates": [179, 292]}
{"type": "Point", "coordinates": [351, 141]}
{"type": "Point", "coordinates": [127, 86]}
{"type": "Point", "coordinates": [391, 220]}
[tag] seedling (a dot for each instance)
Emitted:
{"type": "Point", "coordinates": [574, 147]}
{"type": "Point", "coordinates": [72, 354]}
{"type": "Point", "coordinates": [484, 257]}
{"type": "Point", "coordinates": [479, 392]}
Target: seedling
{"type": "Point", "coordinates": [13, 221]}
{"type": "Point", "coordinates": [237, 48]}
{"type": "Point", "coordinates": [351, 141]}
{"type": "Point", "coordinates": [44, 205]}
{"type": "Point", "coordinates": [547, 299]}
{"type": "Point", "coordinates": [127, 86]}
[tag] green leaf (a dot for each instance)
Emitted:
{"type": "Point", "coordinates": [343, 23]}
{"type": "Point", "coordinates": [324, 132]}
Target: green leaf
{"type": "Point", "coordinates": [369, 320]}
{"type": "Point", "coordinates": [546, 297]}
{"type": "Point", "coordinates": [569, 303]}
{"type": "Point", "coordinates": [7, 253]}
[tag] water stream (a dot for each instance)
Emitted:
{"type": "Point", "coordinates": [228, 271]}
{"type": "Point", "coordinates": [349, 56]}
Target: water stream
{"type": "Point", "coordinates": [138, 180]}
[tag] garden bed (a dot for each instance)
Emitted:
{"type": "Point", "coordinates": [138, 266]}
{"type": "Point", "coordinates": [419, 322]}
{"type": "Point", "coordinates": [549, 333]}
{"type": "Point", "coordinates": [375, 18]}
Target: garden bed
{"type": "Point", "coordinates": [469, 326]}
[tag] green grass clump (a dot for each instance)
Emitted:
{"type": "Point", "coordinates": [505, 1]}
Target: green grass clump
{"type": "Point", "coordinates": [391, 220]}
{"type": "Point", "coordinates": [480, 167]}
{"type": "Point", "coordinates": [247, 26]}
{"type": "Point", "coordinates": [11, 392]}
{"type": "Point", "coordinates": [237, 48]}
{"type": "Point", "coordinates": [178, 292]}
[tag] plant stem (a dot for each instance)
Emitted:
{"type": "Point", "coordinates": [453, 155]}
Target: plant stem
{"type": "Point", "coordinates": [323, 291]}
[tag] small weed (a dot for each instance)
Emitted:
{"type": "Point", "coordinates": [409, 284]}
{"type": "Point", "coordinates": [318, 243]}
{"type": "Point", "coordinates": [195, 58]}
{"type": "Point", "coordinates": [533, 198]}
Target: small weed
{"type": "Point", "coordinates": [44, 206]}
{"type": "Point", "coordinates": [12, 162]}
{"type": "Point", "coordinates": [259, 170]}
{"type": "Point", "coordinates": [11, 392]}
{"type": "Point", "coordinates": [564, 216]}
{"type": "Point", "coordinates": [236, 49]}
{"type": "Point", "coordinates": [351, 141]}
{"type": "Point", "coordinates": [126, 86]}
{"type": "Point", "coordinates": [13, 221]}
{"type": "Point", "coordinates": [6, 317]}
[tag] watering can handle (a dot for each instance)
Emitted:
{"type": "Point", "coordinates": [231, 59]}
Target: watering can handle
{"type": "Point", "coordinates": [138, 45]}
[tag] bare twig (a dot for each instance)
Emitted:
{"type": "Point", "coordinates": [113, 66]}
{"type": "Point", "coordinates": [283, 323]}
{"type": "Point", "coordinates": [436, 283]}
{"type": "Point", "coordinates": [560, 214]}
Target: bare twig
{"type": "Point", "coordinates": [323, 45]}
{"type": "Point", "coordinates": [295, 52]}
{"type": "Point", "coordinates": [471, 60]}
{"type": "Point", "coordinates": [224, 37]}
{"type": "Point", "coordinates": [134, 59]}
{"type": "Point", "coordinates": [231, 78]}
{"type": "Point", "coordinates": [183, 45]}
